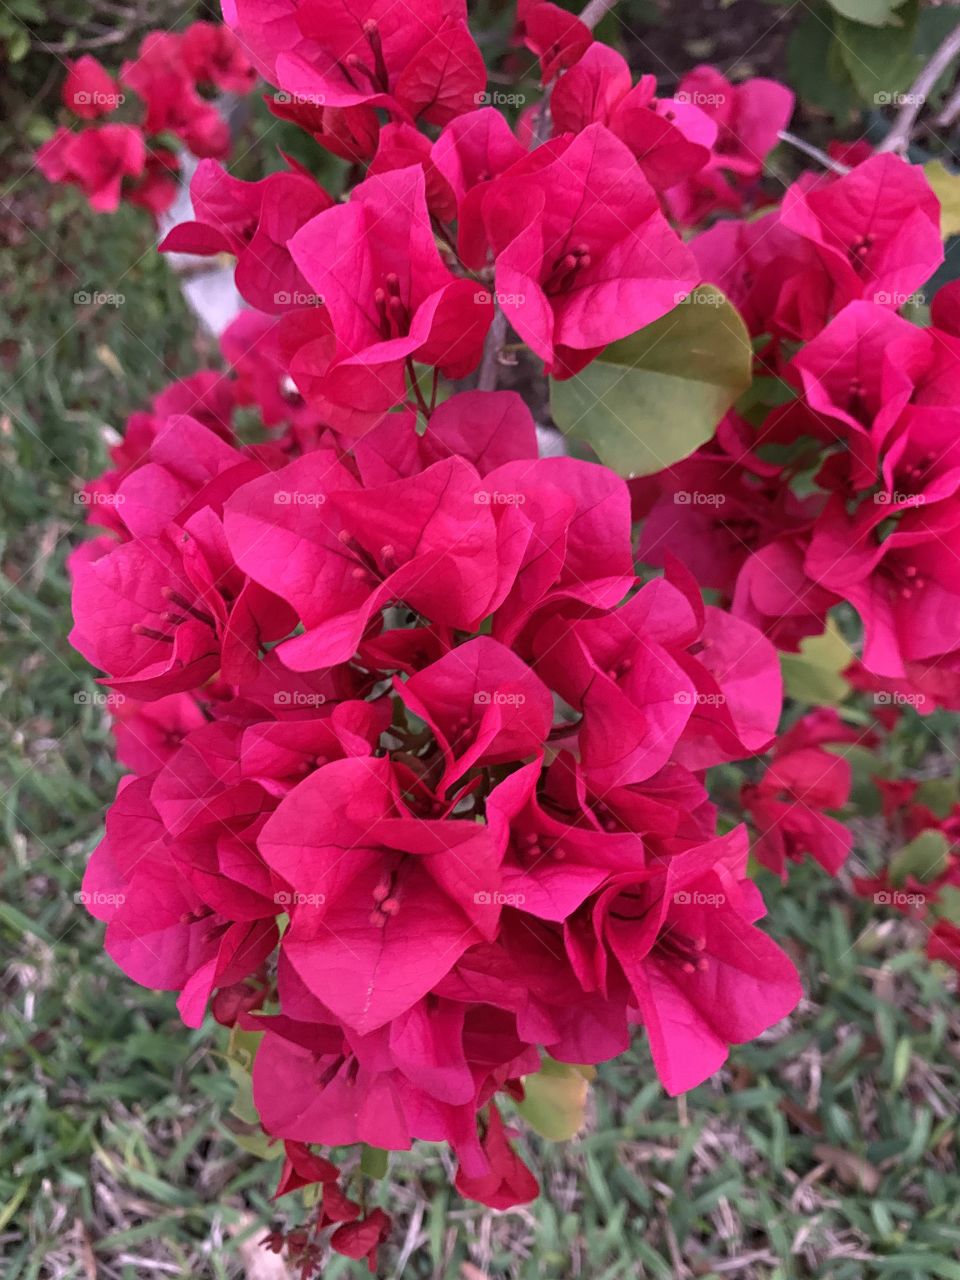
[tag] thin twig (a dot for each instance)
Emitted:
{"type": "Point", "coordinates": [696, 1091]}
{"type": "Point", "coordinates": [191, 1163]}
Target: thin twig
{"type": "Point", "coordinates": [898, 139]}
{"type": "Point", "coordinates": [595, 11]}
{"type": "Point", "coordinates": [490, 366]}
{"type": "Point", "coordinates": [950, 111]}
{"type": "Point", "coordinates": [813, 152]}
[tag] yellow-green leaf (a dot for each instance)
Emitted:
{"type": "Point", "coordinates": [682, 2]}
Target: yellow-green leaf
{"type": "Point", "coordinates": [655, 397]}
{"type": "Point", "coordinates": [946, 187]}
{"type": "Point", "coordinates": [556, 1099]}
{"type": "Point", "coordinates": [924, 858]}
{"type": "Point", "coordinates": [813, 674]}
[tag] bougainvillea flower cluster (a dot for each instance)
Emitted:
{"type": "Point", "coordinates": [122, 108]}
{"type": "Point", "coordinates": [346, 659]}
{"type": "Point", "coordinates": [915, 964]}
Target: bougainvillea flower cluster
{"type": "Point", "coordinates": [135, 161]}
{"type": "Point", "coordinates": [846, 489]}
{"type": "Point", "coordinates": [418, 725]}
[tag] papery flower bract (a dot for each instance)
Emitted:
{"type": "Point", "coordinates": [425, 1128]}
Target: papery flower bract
{"type": "Point", "coordinates": [97, 160]}
{"type": "Point", "coordinates": [787, 804]}
{"type": "Point", "coordinates": [89, 90]}
{"type": "Point", "coordinates": [211, 53]}
{"type": "Point", "coordinates": [413, 63]}
{"type": "Point", "coordinates": [556, 36]}
{"type": "Point", "coordinates": [583, 254]}
{"type": "Point", "coordinates": [254, 221]}
{"type": "Point", "coordinates": [703, 975]}
{"type": "Point", "coordinates": [382, 878]}
{"type": "Point", "coordinates": [413, 308]}
{"type": "Point", "coordinates": [671, 138]}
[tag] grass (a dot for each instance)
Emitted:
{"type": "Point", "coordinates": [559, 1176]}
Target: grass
{"type": "Point", "coordinates": [828, 1148]}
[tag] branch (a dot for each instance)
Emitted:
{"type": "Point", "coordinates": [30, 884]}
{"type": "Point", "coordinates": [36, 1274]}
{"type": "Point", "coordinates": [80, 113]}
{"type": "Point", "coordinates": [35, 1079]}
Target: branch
{"type": "Point", "coordinates": [898, 139]}
{"type": "Point", "coordinates": [595, 11]}
{"type": "Point", "coordinates": [813, 152]}
{"type": "Point", "coordinates": [950, 111]}
{"type": "Point", "coordinates": [490, 365]}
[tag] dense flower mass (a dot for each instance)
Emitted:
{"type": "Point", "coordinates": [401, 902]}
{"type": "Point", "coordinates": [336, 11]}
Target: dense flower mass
{"type": "Point", "coordinates": [418, 725]}
{"type": "Point", "coordinates": [134, 161]}
{"type": "Point", "coordinates": [846, 488]}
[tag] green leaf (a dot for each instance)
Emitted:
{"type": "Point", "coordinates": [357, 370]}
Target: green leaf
{"type": "Point", "coordinates": [873, 13]}
{"type": "Point", "coordinates": [655, 397]}
{"type": "Point", "coordinates": [555, 1099]}
{"type": "Point", "coordinates": [373, 1161]}
{"type": "Point", "coordinates": [947, 905]}
{"type": "Point", "coordinates": [816, 70]}
{"type": "Point", "coordinates": [813, 674]}
{"type": "Point", "coordinates": [924, 858]}
{"type": "Point", "coordinates": [939, 795]}
{"type": "Point", "coordinates": [880, 59]}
